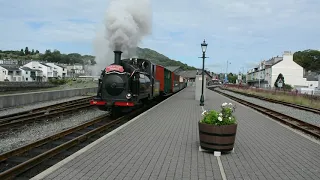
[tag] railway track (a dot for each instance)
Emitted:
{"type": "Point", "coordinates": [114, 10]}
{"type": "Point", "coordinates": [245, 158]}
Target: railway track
{"type": "Point", "coordinates": [21, 118]}
{"type": "Point", "coordinates": [27, 161]}
{"type": "Point", "coordinates": [301, 107]}
{"type": "Point", "coordinates": [288, 120]}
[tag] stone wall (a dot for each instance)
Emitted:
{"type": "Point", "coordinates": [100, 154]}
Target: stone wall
{"type": "Point", "coordinates": [12, 100]}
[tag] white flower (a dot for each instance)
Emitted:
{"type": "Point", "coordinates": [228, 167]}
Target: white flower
{"type": "Point", "coordinates": [229, 118]}
{"type": "Point", "coordinates": [204, 112]}
{"type": "Point", "coordinates": [224, 104]}
{"type": "Point", "coordinates": [230, 104]}
{"type": "Point", "coordinates": [220, 114]}
{"type": "Point", "coordinates": [220, 118]}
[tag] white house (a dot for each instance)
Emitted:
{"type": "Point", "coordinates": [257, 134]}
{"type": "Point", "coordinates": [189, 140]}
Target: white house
{"type": "Point", "coordinates": [10, 73]}
{"type": "Point", "coordinates": [267, 72]}
{"type": "Point", "coordinates": [47, 71]}
{"type": "Point", "coordinates": [75, 69]}
{"type": "Point", "coordinates": [31, 75]}
{"type": "Point", "coordinates": [26, 74]}
{"type": "Point", "coordinates": [60, 70]}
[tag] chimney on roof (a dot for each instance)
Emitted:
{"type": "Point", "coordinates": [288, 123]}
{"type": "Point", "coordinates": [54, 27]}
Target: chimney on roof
{"type": "Point", "coordinates": [287, 56]}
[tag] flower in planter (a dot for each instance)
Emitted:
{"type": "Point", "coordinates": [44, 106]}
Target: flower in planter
{"type": "Point", "coordinates": [224, 117]}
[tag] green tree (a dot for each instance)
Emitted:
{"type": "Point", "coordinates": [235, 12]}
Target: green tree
{"type": "Point", "coordinates": [21, 52]}
{"type": "Point", "coordinates": [280, 76]}
{"type": "Point", "coordinates": [232, 78]}
{"type": "Point", "coordinates": [308, 59]}
{"type": "Point", "coordinates": [26, 51]}
{"type": "Point", "coordinates": [32, 52]}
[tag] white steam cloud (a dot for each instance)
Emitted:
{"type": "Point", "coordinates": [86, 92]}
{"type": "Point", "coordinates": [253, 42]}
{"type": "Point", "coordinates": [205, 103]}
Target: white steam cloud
{"type": "Point", "coordinates": [126, 23]}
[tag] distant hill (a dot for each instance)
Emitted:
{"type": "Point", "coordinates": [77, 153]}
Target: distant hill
{"type": "Point", "coordinates": [56, 56]}
{"type": "Point", "coordinates": [160, 59]}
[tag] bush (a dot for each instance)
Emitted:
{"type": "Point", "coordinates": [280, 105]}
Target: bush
{"type": "Point", "coordinates": [58, 81]}
{"type": "Point", "coordinates": [288, 87]}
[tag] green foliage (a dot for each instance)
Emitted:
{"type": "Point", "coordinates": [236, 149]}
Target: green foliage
{"type": "Point", "coordinates": [280, 76]}
{"type": "Point", "coordinates": [232, 78]}
{"type": "Point", "coordinates": [160, 59]}
{"type": "Point", "coordinates": [288, 87]}
{"type": "Point", "coordinates": [224, 117]}
{"type": "Point", "coordinates": [308, 59]}
{"type": "Point", "coordinates": [55, 56]}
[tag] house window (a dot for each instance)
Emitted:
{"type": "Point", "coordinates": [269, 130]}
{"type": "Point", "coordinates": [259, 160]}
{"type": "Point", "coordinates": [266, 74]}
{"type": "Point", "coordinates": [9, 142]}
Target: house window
{"type": "Point", "coordinates": [26, 72]}
{"type": "Point", "coordinates": [26, 79]}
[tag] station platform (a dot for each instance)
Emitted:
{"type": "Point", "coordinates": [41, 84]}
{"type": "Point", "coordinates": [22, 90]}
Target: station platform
{"type": "Point", "coordinates": [163, 143]}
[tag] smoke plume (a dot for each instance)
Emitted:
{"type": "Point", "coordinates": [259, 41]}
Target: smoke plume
{"type": "Point", "coordinates": [126, 23]}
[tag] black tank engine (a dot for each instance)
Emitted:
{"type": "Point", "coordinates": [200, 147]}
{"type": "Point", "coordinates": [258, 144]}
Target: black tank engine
{"type": "Point", "coordinates": [125, 84]}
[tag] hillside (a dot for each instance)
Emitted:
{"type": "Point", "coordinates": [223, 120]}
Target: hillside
{"type": "Point", "coordinates": [56, 56]}
{"type": "Point", "coordinates": [160, 59]}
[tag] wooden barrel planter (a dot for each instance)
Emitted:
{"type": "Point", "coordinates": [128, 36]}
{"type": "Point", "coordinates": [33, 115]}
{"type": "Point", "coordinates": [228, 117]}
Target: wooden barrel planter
{"type": "Point", "coordinates": [217, 138]}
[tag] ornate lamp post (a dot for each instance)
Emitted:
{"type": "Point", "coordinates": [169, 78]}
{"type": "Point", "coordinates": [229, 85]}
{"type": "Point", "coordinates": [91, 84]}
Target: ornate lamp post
{"type": "Point", "coordinates": [204, 48]}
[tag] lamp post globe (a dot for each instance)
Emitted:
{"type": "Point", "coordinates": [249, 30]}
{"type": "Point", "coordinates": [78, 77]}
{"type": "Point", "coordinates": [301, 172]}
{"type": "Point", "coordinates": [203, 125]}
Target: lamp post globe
{"type": "Point", "coordinates": [204, 48]}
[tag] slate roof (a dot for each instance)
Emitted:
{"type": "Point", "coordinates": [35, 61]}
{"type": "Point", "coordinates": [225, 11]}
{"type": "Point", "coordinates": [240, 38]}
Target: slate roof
{"type": "Point", "coordinates": [191, 73]}
{"type": "Point", "coordinates": [172, 68]}
{"type": "Point", "coordinates": [273, 60]}
{"type": "Point", "coordinates": [188, 74]}
{"type": "Point", "coordinates": [10, 67]}
{"type": "Point", "coordinates": [312, 76]}
{"type": "Point", "coordinates": [45, 64]}
{"type": "Point", "coordinates": [60, 65]}
{"type": "Point", "coordinates": [27, 69]}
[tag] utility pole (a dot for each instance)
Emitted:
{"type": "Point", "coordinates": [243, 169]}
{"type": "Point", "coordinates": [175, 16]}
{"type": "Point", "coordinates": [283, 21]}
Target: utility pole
{"type": "Point", "coordinates": [227, 69]}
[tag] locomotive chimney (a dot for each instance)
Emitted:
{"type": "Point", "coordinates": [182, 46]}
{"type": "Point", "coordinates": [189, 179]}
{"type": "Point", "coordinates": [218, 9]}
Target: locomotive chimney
{"type": "Point", "coordinates": [117, 57]}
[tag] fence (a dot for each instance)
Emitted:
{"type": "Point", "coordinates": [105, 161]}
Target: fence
{"type": "Point", "coordinates": [275, 91]}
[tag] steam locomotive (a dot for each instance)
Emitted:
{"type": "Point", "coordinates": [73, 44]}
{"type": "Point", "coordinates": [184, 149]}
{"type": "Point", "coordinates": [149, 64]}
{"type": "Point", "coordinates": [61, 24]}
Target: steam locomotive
{"type": "Point", "coordinates": [129, 83]}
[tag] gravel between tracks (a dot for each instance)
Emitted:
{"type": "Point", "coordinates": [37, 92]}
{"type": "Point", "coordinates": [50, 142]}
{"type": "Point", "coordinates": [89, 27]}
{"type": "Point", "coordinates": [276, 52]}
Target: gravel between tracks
{"type": "Point", "coordinates": [21, 108]}
{"type": "Point", "coordinates": [302, 115]}
{"type": "Point", "coordinates": [39, 130]}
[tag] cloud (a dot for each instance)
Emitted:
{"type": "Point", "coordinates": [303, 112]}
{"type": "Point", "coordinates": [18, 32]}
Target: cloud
{"type": "Point", "coordinates": [235, 30]}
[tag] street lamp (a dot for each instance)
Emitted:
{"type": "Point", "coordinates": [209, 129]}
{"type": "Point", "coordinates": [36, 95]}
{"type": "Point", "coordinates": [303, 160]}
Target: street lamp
{"type": "Point", "coordinates": [204, 48]}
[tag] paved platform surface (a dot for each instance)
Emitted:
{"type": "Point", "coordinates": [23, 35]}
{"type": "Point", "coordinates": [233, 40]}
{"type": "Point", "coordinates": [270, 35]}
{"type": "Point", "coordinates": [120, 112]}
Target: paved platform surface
{"type": "Point", "coordinates": [266, 150]}
{"type": "Point", "coordinates": [164, 144]}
